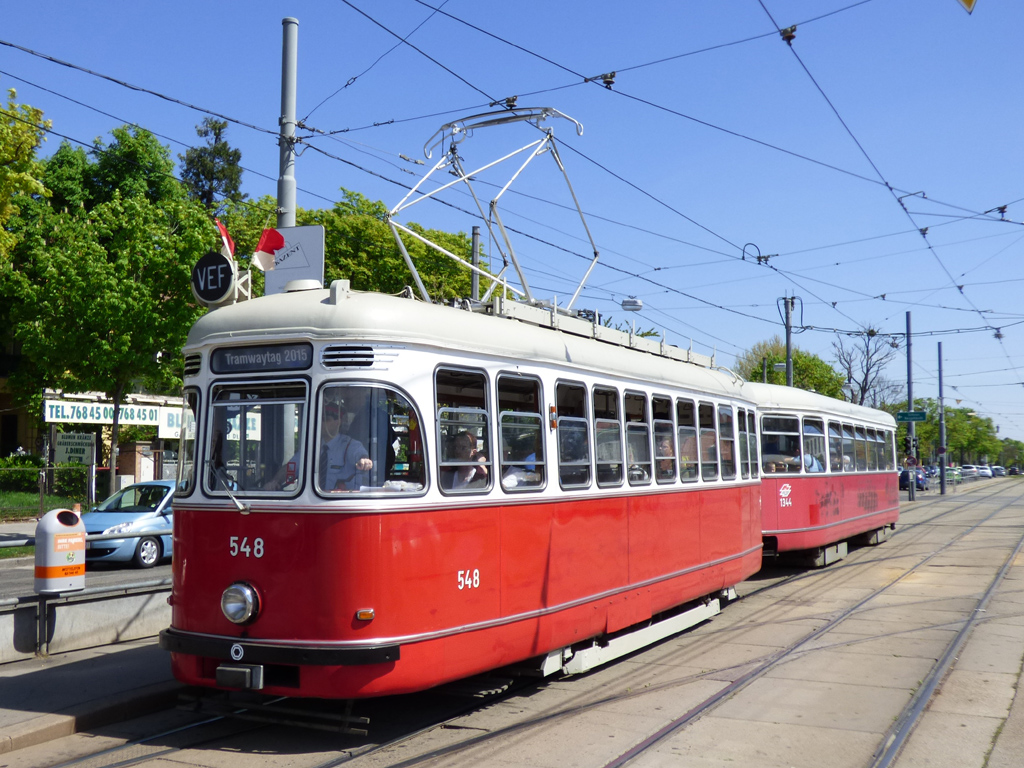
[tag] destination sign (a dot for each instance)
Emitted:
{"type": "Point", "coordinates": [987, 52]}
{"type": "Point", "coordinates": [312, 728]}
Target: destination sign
{"type": "Point", "coordinates": [265, 357]}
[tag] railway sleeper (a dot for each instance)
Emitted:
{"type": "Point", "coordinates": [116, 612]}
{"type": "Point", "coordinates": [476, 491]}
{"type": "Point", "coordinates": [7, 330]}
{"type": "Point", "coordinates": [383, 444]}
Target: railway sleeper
{"type": "Point", "coordinates": [582, 657]}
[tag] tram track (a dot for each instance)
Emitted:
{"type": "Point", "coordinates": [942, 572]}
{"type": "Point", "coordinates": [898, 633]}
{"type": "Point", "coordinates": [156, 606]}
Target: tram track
{"type": "Point", "coordinates": [359, 752]}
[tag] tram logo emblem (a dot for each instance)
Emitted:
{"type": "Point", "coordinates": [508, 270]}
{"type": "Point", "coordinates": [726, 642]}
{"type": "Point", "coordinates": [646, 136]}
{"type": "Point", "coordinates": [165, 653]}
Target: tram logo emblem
{"type": "Point", "coordinates": [237, 652]}
{"type": "Point", "coordinates": [784, 491]}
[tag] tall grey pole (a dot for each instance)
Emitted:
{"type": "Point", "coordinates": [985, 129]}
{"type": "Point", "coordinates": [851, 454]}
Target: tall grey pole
{"type": "Point", "coordinates": [912, 484]}
{"type": "Point", "coordinates": [476, 263]}
{"type": "Point", "coordinates": [942, 432]}
{"type": "Point", "coordinates": [286, 140]}
{"type": "Point", "coordinates": [789, 340]}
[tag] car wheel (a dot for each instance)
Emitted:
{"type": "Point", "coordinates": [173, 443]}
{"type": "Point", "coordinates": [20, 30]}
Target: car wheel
{"type": "Point", "coordinates": [147, 553]}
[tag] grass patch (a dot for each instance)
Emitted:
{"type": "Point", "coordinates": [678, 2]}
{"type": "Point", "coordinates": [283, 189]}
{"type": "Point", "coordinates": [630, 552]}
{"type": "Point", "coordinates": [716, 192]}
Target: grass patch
{"type": "Point", "coordinates": [7, 552]}
{"type": "Point", "coordinates": [18, 505]}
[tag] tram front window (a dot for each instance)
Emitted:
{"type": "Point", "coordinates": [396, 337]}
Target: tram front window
{"type": "Point", "coordinates": [256, 438]}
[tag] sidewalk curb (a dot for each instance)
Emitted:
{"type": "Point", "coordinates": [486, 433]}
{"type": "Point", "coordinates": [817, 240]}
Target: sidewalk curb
{"type": "Point", "coordinates": [95, 714]}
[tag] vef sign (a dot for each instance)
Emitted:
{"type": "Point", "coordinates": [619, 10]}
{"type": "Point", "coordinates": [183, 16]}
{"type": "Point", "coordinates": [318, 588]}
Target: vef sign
{"type": "Point", "coordinates": [213, 279]}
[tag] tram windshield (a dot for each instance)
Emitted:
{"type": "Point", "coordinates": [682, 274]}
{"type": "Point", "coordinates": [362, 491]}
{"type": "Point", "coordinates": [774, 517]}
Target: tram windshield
{"type": "Point", "coordinates": [256, 438]}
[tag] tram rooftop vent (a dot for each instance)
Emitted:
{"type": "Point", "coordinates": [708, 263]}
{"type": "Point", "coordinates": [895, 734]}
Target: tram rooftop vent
{"type": "Point", "coordinates": [338, 356]}
{"type": "Point", "coordinates": [193, 364]}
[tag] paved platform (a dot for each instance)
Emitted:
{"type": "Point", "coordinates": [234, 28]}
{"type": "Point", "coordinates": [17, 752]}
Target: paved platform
{"type": "Point", "coordinates": [47, 698]}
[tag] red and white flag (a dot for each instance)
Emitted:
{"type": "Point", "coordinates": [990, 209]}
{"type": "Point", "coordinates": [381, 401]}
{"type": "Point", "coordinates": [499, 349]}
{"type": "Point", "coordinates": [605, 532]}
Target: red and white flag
{"type": "Point", "coordinates": [271, 241]}
{"type": "Point", "coordinates": [228, 247]}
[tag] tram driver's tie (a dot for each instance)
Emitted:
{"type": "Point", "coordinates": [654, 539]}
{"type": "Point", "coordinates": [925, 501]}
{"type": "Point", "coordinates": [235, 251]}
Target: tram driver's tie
{"type": "Point", "coordinates": [321, 471]}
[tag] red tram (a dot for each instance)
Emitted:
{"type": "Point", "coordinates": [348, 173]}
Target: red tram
{"type": "Point", "coordinates": [378, 495]}
{"type": "Point", "coordinates": [828, 472]}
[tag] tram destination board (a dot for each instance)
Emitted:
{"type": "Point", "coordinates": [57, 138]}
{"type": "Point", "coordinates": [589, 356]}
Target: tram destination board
{"type": "Point", "coordinates": [265, 357]}
{"type": "Point", "coordinates": [911, 416]}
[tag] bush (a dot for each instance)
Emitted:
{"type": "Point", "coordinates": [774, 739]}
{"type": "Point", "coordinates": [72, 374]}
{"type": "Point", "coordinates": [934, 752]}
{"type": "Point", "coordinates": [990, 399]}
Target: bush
{"type": "Point", "coordinates": [20, 473]}
{"type": "Point", "coordinates": [70, 480]}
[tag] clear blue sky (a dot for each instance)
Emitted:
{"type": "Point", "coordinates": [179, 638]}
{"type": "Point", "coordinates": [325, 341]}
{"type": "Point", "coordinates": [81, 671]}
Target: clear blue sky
{"type": "Point", "coordinates": [714, 135]}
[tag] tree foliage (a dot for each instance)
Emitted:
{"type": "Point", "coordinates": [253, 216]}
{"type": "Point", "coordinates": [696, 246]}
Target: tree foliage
{"type": "Point", "coordinates": [810, 372]}
{"type": "Point", "coordinates": [213, 172]}
{"type": "Point", "coordinates": [101, 272]}
{"type": "Point", "coordinates": [22, 130]}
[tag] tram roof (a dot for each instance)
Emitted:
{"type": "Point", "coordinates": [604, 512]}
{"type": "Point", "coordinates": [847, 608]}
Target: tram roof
{"type": "Point", "coordinates": [790, 398]}
{"type": "Point", "coordinates": [505, 329]}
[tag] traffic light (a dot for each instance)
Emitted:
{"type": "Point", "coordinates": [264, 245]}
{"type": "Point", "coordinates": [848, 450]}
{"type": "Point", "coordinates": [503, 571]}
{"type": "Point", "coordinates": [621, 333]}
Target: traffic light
{"type": "Point", "coordinates": [908, 444]}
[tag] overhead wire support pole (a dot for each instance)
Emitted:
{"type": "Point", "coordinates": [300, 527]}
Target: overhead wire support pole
{"type": "Point", "coordinates": [912, 480]}
{"type": "Point", "coordinates": [286, 139]}
{"type": "Point", "coordinates": [943, 461]}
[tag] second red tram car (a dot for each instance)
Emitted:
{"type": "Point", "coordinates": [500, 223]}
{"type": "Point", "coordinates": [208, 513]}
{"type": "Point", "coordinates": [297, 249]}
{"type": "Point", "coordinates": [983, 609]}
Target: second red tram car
{"type": "Point", "coordinates": [828, 472]}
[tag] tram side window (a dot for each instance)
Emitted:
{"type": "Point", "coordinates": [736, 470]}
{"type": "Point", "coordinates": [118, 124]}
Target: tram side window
{"type": "Point", "coordinates": [607, 437]}
{"type": "Point", "coordinates": [521, 428]}
{"type": "Point", "coordinates": [463, 431]}
{"type": "Point", "coordinates": [573, 435]}
{"type": "Point", "coordinates": [880, 449]}
{"type": "Point", "coordinates": [664, 440]}
{"type": "Point", "coordinates": [708, 442]}
{"type": "Point", "coordinates": [862, 450]}
{"type": "Point", "coordinates": [814, 445]}
{"type": "Point", "coordinates": [741, 425]}
{"type": "Point", "coordinates": [890, 462]}
{"type": "Point", "coordinates": [369, 441]}
{"type": "Point", "coordinates": [686, 431]}
{"type": "Point", "coordinates": [727, 441]}
{"type": "Point", "coordinates": [752, 441]}
{"type": "Point", "coordinates": [872, 450]}
{"type": "Point", "coordinates": [780, 444]}
{"type": "Point", "coordinates": [638, 439]}
{"type": "Point", "coordinates": [256, 436]}
{"type": "Point", "coordinates": [187, 451]}
{"type": "Point", "coordinates": [849, 454]}
{"type": "Point", "coordinates": [835, 447]}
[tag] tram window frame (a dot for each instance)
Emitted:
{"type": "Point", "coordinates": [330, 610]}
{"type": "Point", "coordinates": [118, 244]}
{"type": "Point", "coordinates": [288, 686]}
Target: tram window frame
{"type": "Point", "coordinates": [814, 446]}
{"type": "Point", "coordinates": [755, 463]}
{"type": "Point", "coordinates": [861, 446]}
{"type": "Point", "coordinates": [708, 431]}
{"type": "Point", "coordinates": [849, 452]}
{"type": "Point", "coordinates": [689, 445]}
{"type": "Point", "coordinates": [880, 449]}
{"type": "Point", "coordinates": [608, 462]}
{"type": "Point", "coordinates": [638, 438]}
{"type": "Point", "coordinates": [872, 446]}
{"type": "Point", "coordinates": [256, 456]}
{"type": "Point", "coordinates": [890, 451]}
{"type": "Point", "coordinates": [835, 446]}
{"type": "Point", "coordinates": [461, 401]}
{"type": "Point", "coordinates": [664, 440]}
{"type": "Point", "coordinates": [376, 416]}
{"type": "Point", "coordinates": [189, 441]}
{"type": "Point", "coordinates": [743, 443]}
{"type": "Point", "coordinates": [572, 435]}
{"type": "Point", "coordinates": [727, 442]}
{"type": "Point", "coordinates": [781, 444]}
{"type": "Point", "coordinates": [518, 431]}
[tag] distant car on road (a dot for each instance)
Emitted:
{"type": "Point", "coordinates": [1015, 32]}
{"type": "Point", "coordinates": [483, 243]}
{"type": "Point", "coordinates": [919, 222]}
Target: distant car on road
{"type": "Point", "coordinates": [999, 471]}
{"type": "Point", "coordinates": [969, 471]}
{"type": "Point", "coordinates": [984, 471]}
{"type": "Point", "coordinates": [1013, 471]}
{"type": "Point", "coordinates": [922, 479]}
{"type": "Point", "coordinates": [136, 508]}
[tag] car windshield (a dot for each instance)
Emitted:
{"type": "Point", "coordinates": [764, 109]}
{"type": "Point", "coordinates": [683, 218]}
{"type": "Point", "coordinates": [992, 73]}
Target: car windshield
{"type": "Point", "coordinates": [135, 498]}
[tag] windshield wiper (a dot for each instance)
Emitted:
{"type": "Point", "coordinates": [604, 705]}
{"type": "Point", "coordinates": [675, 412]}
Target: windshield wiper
{"type": "Point", "coordinates": [222, 475]}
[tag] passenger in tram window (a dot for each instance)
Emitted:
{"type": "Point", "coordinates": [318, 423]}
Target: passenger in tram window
{"type": "Point", "coordinates": [666, 462]}
{"type": "Point", "coordinates": [522, 471]}
{"type": "Point", "coordinates": [812, 463]}
{"type": "Point", "coordinates": [463, 448]}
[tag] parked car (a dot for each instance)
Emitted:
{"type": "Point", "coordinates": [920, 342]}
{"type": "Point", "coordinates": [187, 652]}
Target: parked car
{"type": "Point", "coordinates": [136, 508]}
{"type": "Point", "coordinates": [969, 471]}
{"type": "Point", "coordinates": [984, 470]}
{"type": "Point", "coordinates": [1013, 471]}
{"type": "Point", "coordinates": [955, 473]}
{"type": "Point", "coordinates": [999, 471]}
{"type": "Point", "coordinates": [922, 479]}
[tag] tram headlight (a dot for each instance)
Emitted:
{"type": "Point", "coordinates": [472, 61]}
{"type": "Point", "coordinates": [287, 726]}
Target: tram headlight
{"type": "Point", "coordinates": [240, 603]}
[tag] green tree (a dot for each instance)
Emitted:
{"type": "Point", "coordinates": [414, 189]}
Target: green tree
{"type": "Point", "coordinates": [809, 371]}
{"type": "Point", "coordinates": [102, 282]}
{"type": "Point", "coordinates": [212, 172]}
{"type": "Point", "coordinates": [22, 130]}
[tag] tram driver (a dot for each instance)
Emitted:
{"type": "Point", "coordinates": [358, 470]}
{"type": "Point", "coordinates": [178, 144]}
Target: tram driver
{"type": "Point", "coordinates": [343, 463]}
